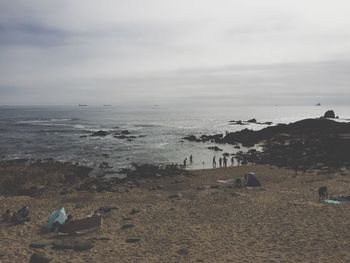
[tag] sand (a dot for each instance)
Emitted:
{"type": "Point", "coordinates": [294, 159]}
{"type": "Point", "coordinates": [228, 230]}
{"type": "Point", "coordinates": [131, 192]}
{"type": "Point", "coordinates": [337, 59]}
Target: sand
{"type": "Point", "coordinates": [280, 222]}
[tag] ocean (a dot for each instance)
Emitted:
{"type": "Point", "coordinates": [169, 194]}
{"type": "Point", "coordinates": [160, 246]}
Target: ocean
{"type": "Point", "coordinates": [62, 133]}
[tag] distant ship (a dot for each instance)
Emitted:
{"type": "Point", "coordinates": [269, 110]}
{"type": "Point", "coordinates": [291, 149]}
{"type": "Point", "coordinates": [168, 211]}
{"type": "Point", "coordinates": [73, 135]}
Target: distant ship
{"type": "Point", "coordinates": [107, 105]}
{"type": "Point", "coordinates": [318, 104]}
{"type": "Point", "coordinates": [82, 105]}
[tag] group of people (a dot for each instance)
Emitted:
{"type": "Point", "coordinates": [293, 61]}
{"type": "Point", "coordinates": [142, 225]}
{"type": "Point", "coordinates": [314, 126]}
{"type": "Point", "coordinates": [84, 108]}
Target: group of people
{"type": "Point", "coordinates": [19, 217]}
{"type": "Point", "coordinates": [185, 161]}
{"type": "Point", "coordinates": [223, 161]}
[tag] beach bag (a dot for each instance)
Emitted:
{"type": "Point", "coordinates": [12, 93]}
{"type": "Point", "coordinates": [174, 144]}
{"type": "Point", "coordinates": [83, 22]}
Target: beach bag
{"type": "Point", "coordinates": [58, 216]}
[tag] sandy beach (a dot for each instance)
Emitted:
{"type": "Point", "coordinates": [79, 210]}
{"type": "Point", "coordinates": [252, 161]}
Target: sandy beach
{"type": "Point", "coordinates": [194, 218]}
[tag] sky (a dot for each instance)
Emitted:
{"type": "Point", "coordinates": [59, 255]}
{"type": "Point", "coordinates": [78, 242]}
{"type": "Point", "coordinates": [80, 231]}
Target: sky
{"type": "Point", "coordinates": [118, 51]}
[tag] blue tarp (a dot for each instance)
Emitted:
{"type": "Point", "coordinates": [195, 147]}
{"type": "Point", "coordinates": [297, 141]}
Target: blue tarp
{"type": "Point", "coordinates": [58, 215]}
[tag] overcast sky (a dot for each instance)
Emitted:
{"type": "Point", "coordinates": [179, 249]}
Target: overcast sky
{"type": "Point", "coordinates": [109, 52]}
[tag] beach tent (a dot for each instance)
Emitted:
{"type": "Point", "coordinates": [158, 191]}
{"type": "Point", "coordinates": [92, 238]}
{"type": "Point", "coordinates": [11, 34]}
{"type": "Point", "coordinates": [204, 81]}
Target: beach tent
{"type": "Point", "coordinates": [252, 180]}
{"type": "Point", "coordinates": [58, 216]}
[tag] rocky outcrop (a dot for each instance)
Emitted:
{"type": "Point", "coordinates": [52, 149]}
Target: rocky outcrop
{"type": "Point", "coordinates": [254, 121]}
{"type": "Point", "coordinates": [329, 114]}
{"type": "Point", "coordinates": [34, 178]}
{"type": "Point", "coordinates": [306, 144]}
{"type": "Point", "coordinates": [99, 133]}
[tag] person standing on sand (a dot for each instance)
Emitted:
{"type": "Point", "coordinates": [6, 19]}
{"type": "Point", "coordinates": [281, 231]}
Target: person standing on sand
{"type": "Point", "coordinates": [225, 161]}
{"type": "Point", "coordinates": [185, 162]}
{"type": "Point", "coordinates": [214, 162]}
{"type": "Point", "coordinates": [220, 162]}
{"type": "Point", "coordinates": [191, 159]}
{"type": "Point", "coordinates": [232, 161]}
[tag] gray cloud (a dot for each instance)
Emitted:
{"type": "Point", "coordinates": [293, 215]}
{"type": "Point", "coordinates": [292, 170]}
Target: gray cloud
{"type": "Point", "coordinates": [122, 50]}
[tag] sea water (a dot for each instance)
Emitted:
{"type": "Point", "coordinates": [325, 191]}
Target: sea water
{"type": "Point", "coordinates": [63, 133]}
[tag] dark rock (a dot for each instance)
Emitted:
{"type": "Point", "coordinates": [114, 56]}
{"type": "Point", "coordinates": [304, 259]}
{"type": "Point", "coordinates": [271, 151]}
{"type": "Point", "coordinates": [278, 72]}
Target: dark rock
{"type": "Point", "coordinates": [40, 258]}
{"type": "Point", "coordinates": [77, 245]}
{"type": "Point", "coordinates": [101, 238]}
{"type": "Point", "coordinates": [100, 133]}
{"type": "Point", "coordinates": [329, 114]}
{"type": "Point", "coordinates": [107, 209]}
{"type": "Point", "coordinates": [237, 122]}
{"type": "Point", "coordinates": [214, 148]}
{"type": "Point", "coordinates": [182, 251]}
{"type": "Point", "coordinates": [252, 121]}
{"type": "Point", "coordinates": [41, 244]}
{"type": "Point", "coordinates": [133, 240]}
{"type": "Point", "coordinates": [62, 245]}
{"type": "Point", "coordinates": [190, 138]}
{"type": "Point", "coordinates": [178, 196]}
{"type": "Point", "coordinates": [298, 145]}
{"type": "Point", "coordinates": [127, 226]}
{"type": "Point", "coordinates": [84, 245]}
{"type": "Point", "coordinates": [135, 211]}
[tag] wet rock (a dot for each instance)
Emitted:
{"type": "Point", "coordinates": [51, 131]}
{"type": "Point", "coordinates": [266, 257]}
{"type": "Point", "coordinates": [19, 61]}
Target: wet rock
{"type": "Point", "coordinates": [191, 138]}
{"type": "Point", "coordinates": [252, 121]}
{"type": "Point", "coordinates": [133, 240]}
{"type": "Point", "coordinates": [40, 258]}
{"type": "Point", "coordinates": [329, 114]}
{"type": "Point", "coordinates": [100, 133]}
{"type": "Point", "coordinates": [237, 122]}
{"type": "Point", "coordinates": [214, 148]}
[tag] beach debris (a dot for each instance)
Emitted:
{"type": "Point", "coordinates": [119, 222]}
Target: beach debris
{"type": "Point", "coordinates": [133, 240]}
{"type": "Point", "coordinates": [333, 202]}
{"type": "Point", "coordinates": [238, 182]}
{"type": "Point", "coordinates": [135, 211]}
{"type": "Point", "coordinates": [81, 226]}
{"type": "Point", "coordinates": [337, 200]}
{"type": "Point", "coordinates": [203, 188]}
{"type": "Point", "coordinates": [127, 226]}
{"type": "Point", "coordinates": [229, 181]}
{"type": "Point", "coordinates": [41, 243]}
{"type": "Point", "coordinates": [107, 209]}
{"type": "Point", "coordinates": [56, 218]}
{"type": "Point", "coordinates": [39, 257]}
{"type": "Point", "coordinates": [77, 245]}
{"type": "Point", "coordinates": [176, 196]}
{"type": "Point", "coordinates": [182, 252]}
{"type": "Point", "coordinates": [6, 217]}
